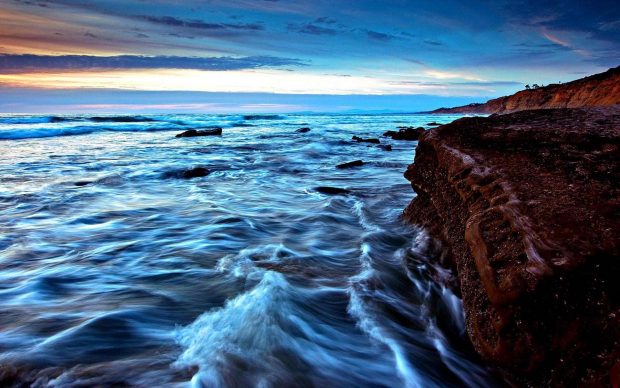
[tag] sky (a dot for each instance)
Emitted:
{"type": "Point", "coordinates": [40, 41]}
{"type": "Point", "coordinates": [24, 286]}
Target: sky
{"type": "Point", "coordinates": [221, 56]}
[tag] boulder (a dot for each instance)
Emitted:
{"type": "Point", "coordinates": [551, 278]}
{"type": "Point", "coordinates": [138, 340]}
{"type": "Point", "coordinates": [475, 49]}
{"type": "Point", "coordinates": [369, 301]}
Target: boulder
{"type": "Point", "coordinates": [405, 133]}
{"type": "Point", "coordinates": [355, 163]}
{"type": "Point", "coordinates": [203, 132]}
{"type": "Point", "coordinates": [303, 130]}
{"type": "Point", "coordinates": [195, 172]}
{"type": "Point", "coordinates": [362, 140]}
{"type": "Point", "coordinates": [332, 190]}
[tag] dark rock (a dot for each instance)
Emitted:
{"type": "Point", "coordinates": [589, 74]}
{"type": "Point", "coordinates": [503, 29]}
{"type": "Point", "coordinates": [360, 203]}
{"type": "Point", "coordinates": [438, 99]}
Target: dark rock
{"type": "Point", "coordinates": [405, 133]}
{"type": "Point", "coordinates": [385, 147]}
{"type": "Point", "coordinates": [195, 172]}
{"type": "Point", "coordinates": [303, 130]}
{"type": "Point", "coordinates": [527, 206]}
{"type": "Point", "coordinates": [355, 163]}
{"type": "Point", "coordinates": [362, 140]}
{"type": "Point", "coordinates": [204, 132]}
{"type": "Point", "coordinates": [83, 183]}
{"type": "Point", "coordinates": [332, 190]}
{"type": "Point", "coordinates": [433, 124]}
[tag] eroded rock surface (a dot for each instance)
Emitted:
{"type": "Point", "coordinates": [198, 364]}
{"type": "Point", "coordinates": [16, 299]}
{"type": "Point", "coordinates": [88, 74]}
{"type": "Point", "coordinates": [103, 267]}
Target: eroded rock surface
{"type": "Point", "coordinates": [528, 207]}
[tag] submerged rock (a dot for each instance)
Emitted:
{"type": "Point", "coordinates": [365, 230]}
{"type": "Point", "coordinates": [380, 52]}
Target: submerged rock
{"type": "Point", "coordinates": [527, 206]}
{"type": "Point", "coordinates": [355, 163]}
{"type": "Point", "coordinates": [405, 133]}
{"type": "Point", "coordinates": [385, 147]}
{"type": "Point", "coordinates": [303, 130]}
{"type": "Point", "coordinates": [191, 173]}
{"type": "Point", "coordinates": [203, 132]}
{"type": "Point", "coordinates": [362, 140]}
{"type": "Point", "coordinates": [332, 190]}
{"type": "Point", "coordinates": [83, 183]}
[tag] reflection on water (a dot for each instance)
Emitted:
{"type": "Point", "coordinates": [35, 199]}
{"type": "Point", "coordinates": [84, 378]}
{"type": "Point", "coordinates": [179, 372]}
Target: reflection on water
{"type": "Point", "coordinates": [111, 274]}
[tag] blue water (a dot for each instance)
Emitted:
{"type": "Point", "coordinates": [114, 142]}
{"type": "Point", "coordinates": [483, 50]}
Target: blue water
{"type": "Point", "coordinates": [112, 271]}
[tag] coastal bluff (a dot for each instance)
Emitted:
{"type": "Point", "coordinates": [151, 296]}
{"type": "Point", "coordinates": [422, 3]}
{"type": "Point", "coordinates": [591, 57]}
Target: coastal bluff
{"type": "Point", "coordinates": [527, 206]}
{"type": "Point", "coordinates": [596, 90]}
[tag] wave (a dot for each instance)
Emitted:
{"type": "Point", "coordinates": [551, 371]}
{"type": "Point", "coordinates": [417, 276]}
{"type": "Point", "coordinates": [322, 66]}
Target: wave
{"type": "Point", "coordinates": [64, 119]}
{"type": "Point", "coordinates": [262, 117]}
{"type": "Point", "coordinates": [121, 119]}
{"type": "Point", "coordinates": [26, 120]}
{"type": "Point", "coordinates": [35, 133]}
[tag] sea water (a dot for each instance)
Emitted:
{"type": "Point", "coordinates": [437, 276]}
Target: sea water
{"type": "Point", "coordinates": [114, 270]}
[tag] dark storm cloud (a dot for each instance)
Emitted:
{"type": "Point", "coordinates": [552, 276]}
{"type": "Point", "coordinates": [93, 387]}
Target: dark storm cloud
{"type": "Point", "coordinates": [28, 62]}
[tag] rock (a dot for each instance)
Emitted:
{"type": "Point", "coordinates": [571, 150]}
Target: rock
{"type": "Point", "coordinates": [355, 163]}
{"type": "Point", "coordinates": [385, 147]}
{"type": "Point", "coordinates": [204, 132]}
{"type": "Point", "coordinates": [433, 124]}
{"type": "Point", "coordinates": [83, 183]}
{"type": "Point", "coordinates": [303, 130]}
{"type": "Point", "coordinates": [527, 207]}
{"type": "Point", "coordinates": [191, 173]}
{"type": "Point", "coordinates": [405, 133]}
{"type": "Point", "coordinates": [362, 140]}
{"type": "Point", "coordinates": [596, 90]}
{"type": "Point", "coordinates": [332, 190]}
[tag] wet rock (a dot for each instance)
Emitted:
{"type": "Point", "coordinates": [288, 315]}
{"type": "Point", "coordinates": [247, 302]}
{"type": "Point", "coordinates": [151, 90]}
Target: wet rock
{"type": "Point", "coordinates": [385, 147]}
{"type": "Point", "coordinates": [526, 205]}
{"type": "Point", "coordinates": [355, 163]}
{"type": "Point", "coordinates": [332, 190]}
{"type": "Point", "coordinates": [405, 133]}
{"type": "Point", "coordinates": [362, 140]}
{"type": "Point", "coordinates": [191, 173]}
{"type": "Point", "coordinates": [203, 132]}
{"type": "Point", "coordinates": [303, 130]}
{"type": "Point", "coordinates": [433, 124]}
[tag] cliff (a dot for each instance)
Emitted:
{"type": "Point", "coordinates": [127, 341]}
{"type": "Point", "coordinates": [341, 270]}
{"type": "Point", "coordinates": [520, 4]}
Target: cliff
{"type": "Point", "coordinates": [528, 207]}
{"type": "Point", "coordinates": [597, 90]}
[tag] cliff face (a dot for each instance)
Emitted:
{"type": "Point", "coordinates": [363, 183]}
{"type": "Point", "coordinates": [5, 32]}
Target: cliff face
{"type": "Point", "coordinates": [597, 90]}
{"type": "Point", "coordinates": [528, 206]}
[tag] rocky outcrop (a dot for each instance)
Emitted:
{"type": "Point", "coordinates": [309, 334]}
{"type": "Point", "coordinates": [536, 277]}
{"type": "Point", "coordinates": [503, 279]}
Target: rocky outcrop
{"type": "Point", "coordinates": [597, 90]}
{"type": "Point", "coordinates": [528, 208]}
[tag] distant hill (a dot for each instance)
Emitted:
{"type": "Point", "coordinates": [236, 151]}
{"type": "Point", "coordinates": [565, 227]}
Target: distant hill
{"type": "Point", "coordinates": [596, 90]}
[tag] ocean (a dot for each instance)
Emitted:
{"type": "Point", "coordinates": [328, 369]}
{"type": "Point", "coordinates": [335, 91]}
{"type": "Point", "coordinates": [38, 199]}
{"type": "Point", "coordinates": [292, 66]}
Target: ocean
{"type": "Point", "coordinates": [114, 269]}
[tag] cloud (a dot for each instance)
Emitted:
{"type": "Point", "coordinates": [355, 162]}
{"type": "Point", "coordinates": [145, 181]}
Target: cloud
{"type": "Point", "coordinates": [202, 25]}
{"type": "Point", "coordinates": [381, 36]}
{"type": "Point", "coordinates": [311, 29]}
{"type": "Point", "coordinates": [28, 62]}
{"type": "Point", "coordinates": [564, 43]}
